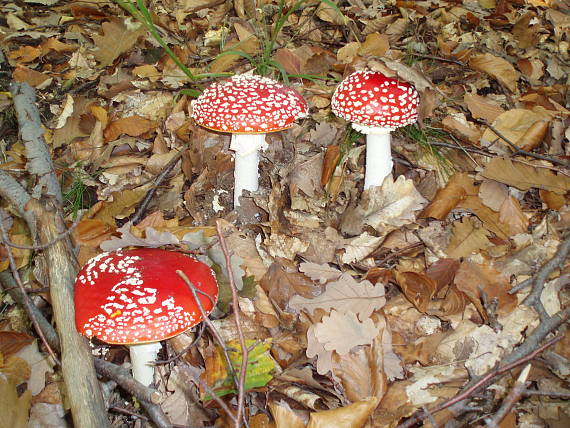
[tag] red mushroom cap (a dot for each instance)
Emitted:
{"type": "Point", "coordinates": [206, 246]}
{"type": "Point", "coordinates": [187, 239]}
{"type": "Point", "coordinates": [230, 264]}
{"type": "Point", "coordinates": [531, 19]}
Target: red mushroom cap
{"type": "Point", "coordinates": [369, 98]}
{"type": "Point", "coordinates": [248, 104]}
{"type": "Point", "coordinates": [135, 296]}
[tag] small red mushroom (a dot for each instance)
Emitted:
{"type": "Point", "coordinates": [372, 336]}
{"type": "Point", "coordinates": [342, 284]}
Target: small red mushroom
{"type": "Point", "coordinates": [376, 105]}
{"type": "Point", "coordinates": [248, 107]}
{"type": "Point", "coordinates": [136, 298]}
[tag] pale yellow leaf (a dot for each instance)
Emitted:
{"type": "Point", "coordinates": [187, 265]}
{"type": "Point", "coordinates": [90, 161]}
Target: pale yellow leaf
{"type": "Point", "coordinates": [468, 237]}
{"type": "Point", "coordinates": [345, 295]}
{"type": "Point", "coordinates": [340, 332]}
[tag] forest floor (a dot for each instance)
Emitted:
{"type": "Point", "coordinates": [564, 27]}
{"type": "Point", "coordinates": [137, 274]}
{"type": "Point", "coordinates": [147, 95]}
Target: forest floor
{"type": "Point", "coordinates": [439, 298]}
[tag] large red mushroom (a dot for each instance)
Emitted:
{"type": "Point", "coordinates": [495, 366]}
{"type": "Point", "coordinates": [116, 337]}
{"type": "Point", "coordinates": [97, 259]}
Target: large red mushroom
{"type": "Point", "coordinates": [376, 105]}
{"type": "Point", "coordinates": [136, 298]}
{"type": "Point", "coordinates": [248, 107]}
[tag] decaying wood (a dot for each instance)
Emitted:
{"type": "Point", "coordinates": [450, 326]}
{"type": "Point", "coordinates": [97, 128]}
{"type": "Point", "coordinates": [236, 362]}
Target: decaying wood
{"type": "Point", "coordinates": [83, 391]}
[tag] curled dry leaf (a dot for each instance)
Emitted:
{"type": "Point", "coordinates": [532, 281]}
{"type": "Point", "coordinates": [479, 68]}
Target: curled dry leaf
{"type": "Point", "coordinates": [482, 108]}
{"type": "Point", "coordinates": [518, 126]}
{"type": "Point", "coordinates": [282, 281]}
{"type": "Point", "coordinates": [444, 201]}
{"type": "Point", "coordinates": [345, 295]}
{"type": "Point", "coordinates": [480, 282]}
{"type": "Point", "coordinates": [418, 288]}
{"type": "Point", "coordinates": [385, 207]}
{"type": "Point", "coordinates": [496, 67]}
{"type": "Point", "coordinates": [354, 415]}
{"type": "Point", "coordinates": [132, 125]}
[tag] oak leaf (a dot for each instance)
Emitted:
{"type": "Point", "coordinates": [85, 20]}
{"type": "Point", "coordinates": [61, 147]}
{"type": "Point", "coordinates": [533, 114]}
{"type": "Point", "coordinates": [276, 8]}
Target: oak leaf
{"type": "Point", "coordinates": [345, 295]}
{"type": "Point", "coordinates": [340, 332]}
{"type": "Point", "coordinates": [320, 272]}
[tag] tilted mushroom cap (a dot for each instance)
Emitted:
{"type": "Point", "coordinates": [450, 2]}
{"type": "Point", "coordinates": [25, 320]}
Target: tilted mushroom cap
{"type": "Point", "coordinates": [248, 104]}
{"type": "Point", "coordinates": [369, 98]}
{"type": "Point", "coordinates": [135, 296]}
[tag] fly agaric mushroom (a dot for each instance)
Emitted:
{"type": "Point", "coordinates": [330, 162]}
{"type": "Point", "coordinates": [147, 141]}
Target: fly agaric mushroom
{"type": "Point", "coordinates": [248, 107]}
{"type": "Point", "coordinates": [135, 298]}
{"type": "Point", "coordinates": [376, 105]}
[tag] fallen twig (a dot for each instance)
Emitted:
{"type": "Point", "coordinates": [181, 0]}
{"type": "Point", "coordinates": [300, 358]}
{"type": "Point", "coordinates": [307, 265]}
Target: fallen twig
{"type": "Point", "coordinates": [476, 385]}
{"type": "Point", "coordinates": [235, 304]}
{"type": "Point", "coordinates": [512, 398]}
{"type": "Point", "coordinates": [139, 213]}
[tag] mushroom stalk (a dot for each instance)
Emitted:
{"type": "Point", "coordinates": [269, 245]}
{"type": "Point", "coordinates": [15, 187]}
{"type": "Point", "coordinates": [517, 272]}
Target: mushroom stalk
{"type": "Point", "coordinates": [141, 355]}
{"type": "Point", "coordinates": [378, 157]}
{"type": "Point", "coordinates": [246, 175]}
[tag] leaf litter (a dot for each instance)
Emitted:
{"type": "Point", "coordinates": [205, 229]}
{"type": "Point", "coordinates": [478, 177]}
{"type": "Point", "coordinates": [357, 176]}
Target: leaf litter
{"type": "Point", "coordinates": [367, 327]}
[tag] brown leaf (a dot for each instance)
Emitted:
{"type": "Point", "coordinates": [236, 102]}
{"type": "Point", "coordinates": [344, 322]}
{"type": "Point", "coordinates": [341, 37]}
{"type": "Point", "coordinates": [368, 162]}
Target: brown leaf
{"type": "Point", "coordinates": [490, 218]}
{"type": "Point", "coordinates": [525, 34]}
{"type": "Point", "coordinates": [493, 194]}
{"type": "Point", "coordinates": [443, 271]}
{"type": "Point", "coordinates": [524, 177]}
{"type": "Point", "coordinates": [475, 279]}
{"type": "Point", "coordinates": [123, 205]}
{"type": "Point", "coordinates": [553, 201]}
{"type": "Point", "coordinates": [444, 201]}
{"type": "Point", "coordinates": [115, 40]}
{"type": "Point", "coordinates": [332, 156]}
{"type": "Point", "coordinates": [132, 125]}
{"type": "Point", "coordinates": [14, 408]}
{"type": "Point", "coordinates": [534, 135]}
{"type": "Point", "coordinates": [25, 54]}
{"type": "Point", "coordinates": [282, 281]}
{"type": "Point", "coordinates": [289, 60]}
{"type": "Point", "coordinates": [496, 67]}
{"type": "Point", "coordinates": [376, 44]}
{"type": "Point", "coordinates": [354, 415]}
{"type": "Point", "coordinates": [482, 108]}
{"type": "Point", "coordinates": [512, 215]}
{"type": "Point", "coordinates": [31, 77]}
{"type": "Point", "coordinates": [468, 238]}
{"type": "Point", "coordinates": [458, 125]}
{"type": "Point", "coordinates": [418, 288]}
{"type": "Point", "coordinates": [514, 124]}
{"type": "Point", "coordinates": [11, 342]}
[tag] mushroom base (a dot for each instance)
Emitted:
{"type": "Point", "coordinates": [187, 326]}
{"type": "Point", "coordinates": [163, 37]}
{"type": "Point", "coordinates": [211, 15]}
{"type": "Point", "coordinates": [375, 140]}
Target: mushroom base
{"type": "Point", "coordinates": [378, 159]}
{"type": "Point", "coordinates": [141, 355]}
{"type": "Point", "coordinates": [246, 175]}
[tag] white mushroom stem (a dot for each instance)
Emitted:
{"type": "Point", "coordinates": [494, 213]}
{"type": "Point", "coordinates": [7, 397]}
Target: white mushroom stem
{"type": "Point", "coordinates": [246, 174]}
{"type": "Point", "coordinates": [141, 355]}
{"type": "Point", "coordinates": [378, 154]}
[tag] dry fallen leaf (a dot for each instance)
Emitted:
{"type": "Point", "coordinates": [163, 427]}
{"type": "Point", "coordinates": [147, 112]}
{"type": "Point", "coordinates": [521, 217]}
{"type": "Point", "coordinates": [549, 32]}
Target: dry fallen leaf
{"type": "Point", "coordinates": [385, 207]}
{"type": "Point", "coordinates": [354, 415]}
{"type": "Point", "coordinates": [468, 237]}
{"type": "Point", "coordinates": [115, 40]}
{"type": "Point", "coordinates": [340, 332]}
{"type": "Point", "coordinates": [524, 177]}
{"type": "Point", "coordinates": [345, 295]}
{"type": "Point", "coordinates": [497, 67]}
{"type": "Point", "coordinates": [482, 282]}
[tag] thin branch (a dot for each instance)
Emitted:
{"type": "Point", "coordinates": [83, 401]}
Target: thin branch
{"type": "Point", "coordinates": [235, 304]}
{"type": "Point", "coordinates": [208, 322]}
{"type": "Point", "coordinates": [138, 215]}
{"type": "Point", "coordinates": [515, 394]}
{"type": "Point", "coordinates": [467, 392]}
{"type": "Point", "coordinates": [40, 247]}
{"type": "Point", "coordinates": [541, 277]}
{"type": "Point", "coordinates": [518, 151]}
{"type": "Point", "coordinates": [26, 300]}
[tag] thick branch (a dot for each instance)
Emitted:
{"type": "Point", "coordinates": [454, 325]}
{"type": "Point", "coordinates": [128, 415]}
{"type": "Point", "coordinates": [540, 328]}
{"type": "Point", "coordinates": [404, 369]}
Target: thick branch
{"type": "Point", "coordinates": [39, 163]}
{"type": "Point", "coordinates": [84, 393]}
